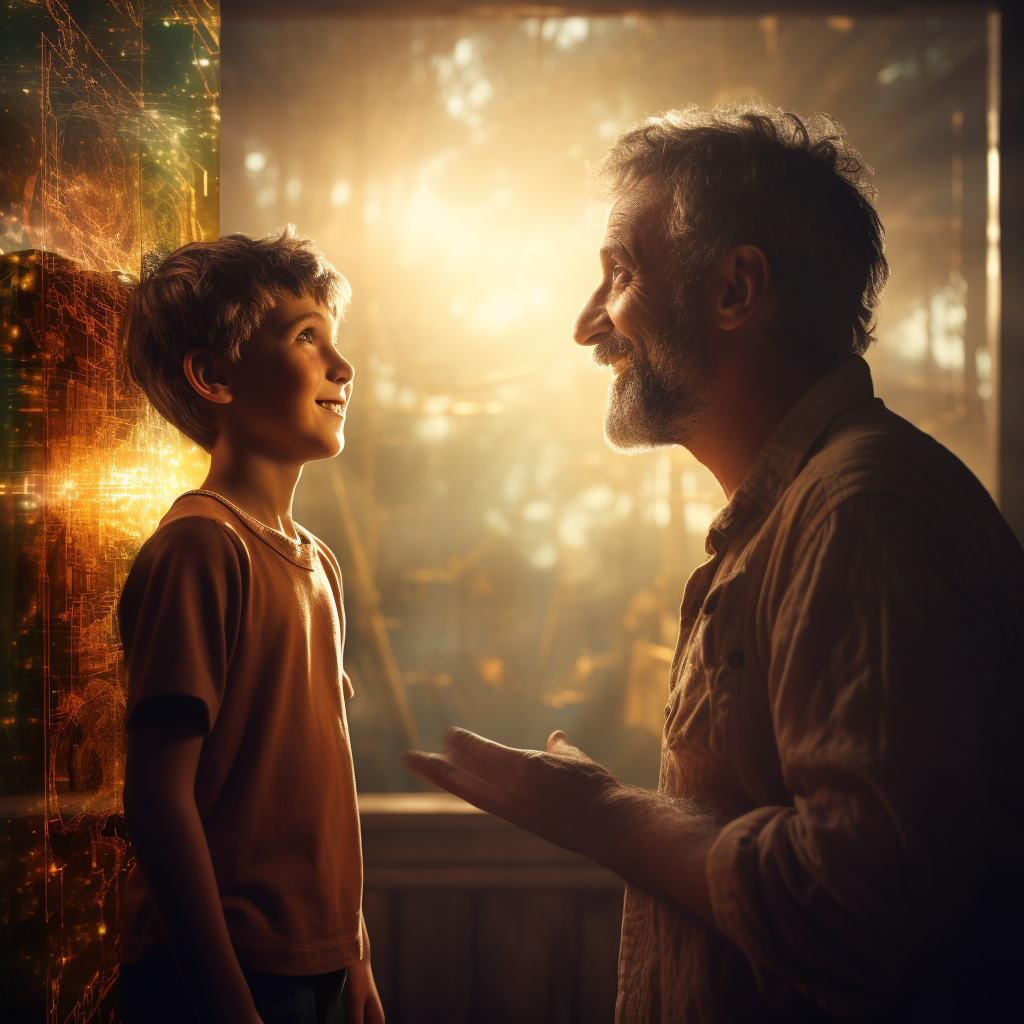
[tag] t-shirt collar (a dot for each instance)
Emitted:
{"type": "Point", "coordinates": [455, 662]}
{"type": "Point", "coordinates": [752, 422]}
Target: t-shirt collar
{"type": "Point", "coordinates": [301, 552]}
{"type": "Point", "coordinates": [783, 455]}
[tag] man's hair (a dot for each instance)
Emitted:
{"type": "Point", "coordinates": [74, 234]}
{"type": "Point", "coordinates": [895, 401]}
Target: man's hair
{"type": "Point", "coordinates": [751, 174]}
{"type": "Point", "coordinates": [215, 295]}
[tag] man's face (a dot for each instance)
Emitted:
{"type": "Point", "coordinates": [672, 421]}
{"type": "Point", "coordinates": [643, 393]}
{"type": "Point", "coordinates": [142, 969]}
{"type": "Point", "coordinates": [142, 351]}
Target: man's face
{"type": "Point", "coordinates": [291, 387]}
{"type": "Point", "coordinates": [642, 322]}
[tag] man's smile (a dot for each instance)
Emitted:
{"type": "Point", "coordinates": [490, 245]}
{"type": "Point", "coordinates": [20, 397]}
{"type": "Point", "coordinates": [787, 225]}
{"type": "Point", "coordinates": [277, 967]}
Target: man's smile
{"type": "Point", "coordinates": [620, 363]}
{"type": "Point", "coordinates": [614, 351]}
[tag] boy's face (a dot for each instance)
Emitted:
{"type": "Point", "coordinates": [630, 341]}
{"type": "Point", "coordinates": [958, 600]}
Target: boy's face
{"type": "Point", "coordinates": [291, 387]}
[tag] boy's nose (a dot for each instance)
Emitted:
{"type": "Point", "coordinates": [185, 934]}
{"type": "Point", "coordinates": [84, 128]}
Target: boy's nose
{"type": "Point", "coordinates": [341, 371]}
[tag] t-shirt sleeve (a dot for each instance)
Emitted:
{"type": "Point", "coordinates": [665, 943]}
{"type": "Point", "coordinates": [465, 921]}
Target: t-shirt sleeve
{"type": "Point", "coordinates": [180, 613]}
{"type": "Point", "coordinates": [879, 668]}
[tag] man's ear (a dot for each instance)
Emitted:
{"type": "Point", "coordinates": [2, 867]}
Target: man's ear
{"type": "Point", "coordinates": [206, 374]}
{"type": "Point", "coordinates": [745, 285]}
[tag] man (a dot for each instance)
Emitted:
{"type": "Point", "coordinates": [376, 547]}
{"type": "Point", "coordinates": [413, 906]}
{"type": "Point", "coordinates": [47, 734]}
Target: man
{"type": "Point", "coordinates": [839, 827]}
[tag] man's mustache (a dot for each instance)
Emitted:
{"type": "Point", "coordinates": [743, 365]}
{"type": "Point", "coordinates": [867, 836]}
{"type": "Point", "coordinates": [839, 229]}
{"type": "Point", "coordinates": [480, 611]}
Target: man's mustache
{"type": "Point", "coordinates": [609, 349]}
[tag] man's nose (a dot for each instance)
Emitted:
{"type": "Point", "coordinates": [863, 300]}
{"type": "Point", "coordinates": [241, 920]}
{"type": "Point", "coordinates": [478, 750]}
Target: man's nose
{"type": "Point", "coordinates": [592, 323]}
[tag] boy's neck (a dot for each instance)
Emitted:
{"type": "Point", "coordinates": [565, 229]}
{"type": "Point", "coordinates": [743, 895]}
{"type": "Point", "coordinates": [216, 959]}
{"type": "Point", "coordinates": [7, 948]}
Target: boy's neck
{"type": "Point", "coordinates": [257, 485]}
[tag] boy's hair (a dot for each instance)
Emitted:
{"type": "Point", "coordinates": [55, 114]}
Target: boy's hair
{"type": "Point", "coordinates": [214, 296]}
{"type": "Point", "coordinates": [752, 174]}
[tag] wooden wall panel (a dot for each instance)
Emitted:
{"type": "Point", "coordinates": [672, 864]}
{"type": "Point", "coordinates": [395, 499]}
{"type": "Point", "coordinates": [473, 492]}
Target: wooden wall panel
{"type": "Point", "coordinates": [473, 920]}
{"type": "Point", "coordinates": [600, 917]}
{"type": "Point", "coordinates": [527, 956]}
{"type": "Point", "coordinates": [435, 954]}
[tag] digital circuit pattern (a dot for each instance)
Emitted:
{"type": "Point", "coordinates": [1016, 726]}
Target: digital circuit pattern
{"type": "Point", "coordinates": [110, 151]}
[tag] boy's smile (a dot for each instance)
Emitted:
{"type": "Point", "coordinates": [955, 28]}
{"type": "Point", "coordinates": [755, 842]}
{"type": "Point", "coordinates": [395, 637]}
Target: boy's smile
{"type": "Point", "coordinates": [338, 408]}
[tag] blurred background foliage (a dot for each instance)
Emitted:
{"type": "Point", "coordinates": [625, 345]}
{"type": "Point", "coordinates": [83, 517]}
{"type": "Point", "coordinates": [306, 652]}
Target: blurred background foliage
{"type": "Point", "coordinates": [505, 570]}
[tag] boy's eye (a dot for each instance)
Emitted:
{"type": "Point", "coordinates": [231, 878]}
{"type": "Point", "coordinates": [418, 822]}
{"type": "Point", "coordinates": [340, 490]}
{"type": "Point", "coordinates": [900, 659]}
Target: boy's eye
{"type": "Point", "coordinates": [306, 335]}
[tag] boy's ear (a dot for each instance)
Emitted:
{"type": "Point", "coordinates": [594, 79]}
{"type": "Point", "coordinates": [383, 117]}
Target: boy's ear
{"type": "Point", "coordinates": [207, 376]}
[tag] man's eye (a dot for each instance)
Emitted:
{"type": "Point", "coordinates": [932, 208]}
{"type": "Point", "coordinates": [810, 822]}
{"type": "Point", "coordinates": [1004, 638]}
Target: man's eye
{"type": "Point", "coordinates": [618, 271]}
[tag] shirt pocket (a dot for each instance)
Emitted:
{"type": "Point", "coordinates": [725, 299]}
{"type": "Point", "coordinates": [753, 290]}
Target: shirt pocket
{"type": "Point", "coordinates": [702, 705]}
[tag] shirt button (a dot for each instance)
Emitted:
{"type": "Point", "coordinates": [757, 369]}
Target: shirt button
{"type": "Point", "coordinates": [668, 709]}
{"type": "Point", "coordinates": [695, 610]}
{"type": "Point", "coordinates": [710, 603]}
{"type": "Point", "coordinates": [736, 660]}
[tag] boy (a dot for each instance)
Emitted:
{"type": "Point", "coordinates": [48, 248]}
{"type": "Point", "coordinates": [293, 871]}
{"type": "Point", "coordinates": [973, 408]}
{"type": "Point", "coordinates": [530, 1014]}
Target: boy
{"type": "Point", "coordinates": [245, 902]}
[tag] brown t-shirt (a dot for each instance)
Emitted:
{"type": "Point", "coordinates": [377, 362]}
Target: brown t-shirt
{"type": "Point", "coordinates": [221, 608]}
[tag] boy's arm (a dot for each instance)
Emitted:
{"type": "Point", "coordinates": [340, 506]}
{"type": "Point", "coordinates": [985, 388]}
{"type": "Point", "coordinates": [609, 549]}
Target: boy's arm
{"type": "Point", "coordinates": [362, 1002]}
{"type": "Point", "coordinates": [173, 856]}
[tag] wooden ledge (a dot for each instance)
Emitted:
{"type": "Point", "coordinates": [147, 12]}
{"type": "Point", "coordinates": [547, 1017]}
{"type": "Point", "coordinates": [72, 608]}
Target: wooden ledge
{"type": "Point", "coordinates": [378, 805]}
{"type": "Point", "coordinates": [437, 841]}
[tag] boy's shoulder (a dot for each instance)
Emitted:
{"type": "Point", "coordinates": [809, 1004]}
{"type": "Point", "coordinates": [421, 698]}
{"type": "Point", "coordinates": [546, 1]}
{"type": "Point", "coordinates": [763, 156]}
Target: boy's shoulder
{"type": "Point", "coordinates": [204, 517]}
{"type": "Point", "coordinates": [195, 529]}
{"type": "Point", "coordinates": [194, 557]}
{"type": "Point", "coordinates": [196, 505]}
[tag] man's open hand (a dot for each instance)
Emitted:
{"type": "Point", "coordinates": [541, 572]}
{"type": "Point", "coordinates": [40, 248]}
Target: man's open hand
{"type": "Point", "coordinates": [563, 796]}
{"type": "Point", "coordinates": [559, 794]}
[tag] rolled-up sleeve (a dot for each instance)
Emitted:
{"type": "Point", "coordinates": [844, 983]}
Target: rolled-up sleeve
{"type": "Point", "coordinates": [880, 668]}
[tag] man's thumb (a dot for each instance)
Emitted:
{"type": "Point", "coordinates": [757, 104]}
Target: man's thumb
{"type": "Point", "coordinates": [557, 742]}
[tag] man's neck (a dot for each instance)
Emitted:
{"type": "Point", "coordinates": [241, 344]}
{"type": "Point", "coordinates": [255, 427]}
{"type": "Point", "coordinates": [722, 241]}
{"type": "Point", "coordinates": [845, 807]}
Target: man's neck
{"type": "Point", "coordinates": [257, 485]}
{"type": "Point", "coordinates": [746, 402]}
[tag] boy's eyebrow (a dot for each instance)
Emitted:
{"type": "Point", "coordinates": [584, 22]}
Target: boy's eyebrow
{"type": "Point", "coordinates": [313, 314]}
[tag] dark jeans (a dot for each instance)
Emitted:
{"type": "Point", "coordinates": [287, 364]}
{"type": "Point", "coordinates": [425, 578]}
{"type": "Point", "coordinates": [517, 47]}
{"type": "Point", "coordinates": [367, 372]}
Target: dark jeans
{"type": "Point", "coordinates": [152, 993]}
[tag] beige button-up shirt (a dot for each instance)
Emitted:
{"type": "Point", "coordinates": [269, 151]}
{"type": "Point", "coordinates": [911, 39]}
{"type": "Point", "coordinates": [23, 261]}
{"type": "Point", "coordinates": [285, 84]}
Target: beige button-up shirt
{"type": "Point", "coordinates": [848, 693]}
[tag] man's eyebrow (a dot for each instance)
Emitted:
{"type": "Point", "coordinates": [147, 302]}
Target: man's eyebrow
{"type": "Point", "coordinates": [612, 248]}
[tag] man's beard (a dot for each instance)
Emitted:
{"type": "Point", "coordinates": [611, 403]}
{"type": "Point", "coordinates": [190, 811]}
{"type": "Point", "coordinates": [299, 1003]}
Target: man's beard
{"type": "Point", "coordinates": [655, 403]}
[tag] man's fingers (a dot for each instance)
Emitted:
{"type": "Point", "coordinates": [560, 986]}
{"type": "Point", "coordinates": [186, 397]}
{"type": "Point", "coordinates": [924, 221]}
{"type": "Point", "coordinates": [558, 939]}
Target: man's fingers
{"type": "Point", "coordinates": [427, 765]}
{"type": "Point", "coordinates": [473, 751]}
{"type": "Point", "coordinates": [441, 770]}
{"type": "Point", "coordinates": [530, 806]}
{"type": "Point", "coordinates": [477, 768]}
{"type": "Point", "coordinates": [463, 742]}
{"type": "Point", "coordinates": [523, 773]}
{"type": "Point", "coordinates": [436, 768]}
{"type": "Point", "coordinates": [484, 758]}
{"type": "Point", "coordinates": [518, 810]}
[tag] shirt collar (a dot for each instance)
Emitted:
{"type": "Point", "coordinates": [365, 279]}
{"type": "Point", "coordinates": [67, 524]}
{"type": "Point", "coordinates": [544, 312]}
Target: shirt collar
{"type": "Point", "coordinates": [783, 455]}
